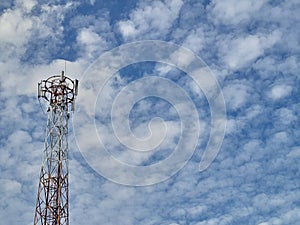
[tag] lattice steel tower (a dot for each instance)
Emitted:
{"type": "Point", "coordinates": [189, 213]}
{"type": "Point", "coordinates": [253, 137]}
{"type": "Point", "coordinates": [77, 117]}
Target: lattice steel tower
{"type": "Point", "coordinates": [52, 206]}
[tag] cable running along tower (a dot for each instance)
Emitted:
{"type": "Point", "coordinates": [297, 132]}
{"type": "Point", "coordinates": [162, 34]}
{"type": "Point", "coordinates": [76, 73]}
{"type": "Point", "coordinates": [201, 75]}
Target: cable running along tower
{"type": "Point", "coordinates": [52, 206]}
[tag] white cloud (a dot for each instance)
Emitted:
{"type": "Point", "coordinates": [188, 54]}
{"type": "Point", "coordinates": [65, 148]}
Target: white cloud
{"type": "Point", "coordinates": [14, 27]}
{"type": "Point", "coordinates": [27, 5]}
{"type": "Point", "coordinates": [253, 179]}
{"type": "Point", "coordinates": [22, 34]}
{"type": "Point", "coordinates": [127, 28]}
{"type": "Point", "coordinates": [238, 52]}
{"type": "Point", "coordinates": [286, 116]}
{"type": "Point", "coordinates": [91, 42]}
{"type": "Point", "coordinates": [195, 40]}
{"type": "Point", "coordinates": [10, 187]}
{"type": "Point", "coordinates": [289, 217]}
{"type": "Point", "coordinates": [150, 21]}
{"type": "Point", "coordinates": [234, 12]}
{"type": "Point", "coordinates": [280, 91]}
{"type": "Point", "coordinates": [294, 153]}
{"type": "Point", "coordinates": [94, 36]}
{"type": "Point", "coordinates": [270, 66]}
{"type": "Point", "coordinates": [236, 95]}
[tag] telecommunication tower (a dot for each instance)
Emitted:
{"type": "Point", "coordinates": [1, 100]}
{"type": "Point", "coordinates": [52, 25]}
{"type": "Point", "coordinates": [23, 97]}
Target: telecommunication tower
{"type": "Point", "coordinates": [52, 205]}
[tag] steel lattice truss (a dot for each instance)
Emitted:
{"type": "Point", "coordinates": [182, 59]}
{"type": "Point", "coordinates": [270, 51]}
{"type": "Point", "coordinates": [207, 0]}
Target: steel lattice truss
{"type": "Point", "coordinates": [52, 207]}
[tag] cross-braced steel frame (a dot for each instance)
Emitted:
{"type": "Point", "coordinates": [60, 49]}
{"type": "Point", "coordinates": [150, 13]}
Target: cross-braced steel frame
{"type": "Point", "coordinates": [52, 205]}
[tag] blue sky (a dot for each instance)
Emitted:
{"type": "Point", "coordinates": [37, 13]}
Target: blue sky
{"type": "Point", "coordinates": [251, 47]}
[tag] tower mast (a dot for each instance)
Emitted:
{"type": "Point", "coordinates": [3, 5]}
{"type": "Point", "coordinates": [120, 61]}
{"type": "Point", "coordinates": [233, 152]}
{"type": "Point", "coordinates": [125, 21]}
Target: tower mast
{"type": "Point", "coordinates": [52, 205]}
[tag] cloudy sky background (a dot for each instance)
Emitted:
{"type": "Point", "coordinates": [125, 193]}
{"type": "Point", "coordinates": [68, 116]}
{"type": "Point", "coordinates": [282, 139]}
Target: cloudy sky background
{"type": "Point", "coordinates": [251, 46]}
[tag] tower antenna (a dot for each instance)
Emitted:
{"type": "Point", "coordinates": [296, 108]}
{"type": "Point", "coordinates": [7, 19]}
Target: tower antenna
{"type": "Point", "coordinates": [52, 204]}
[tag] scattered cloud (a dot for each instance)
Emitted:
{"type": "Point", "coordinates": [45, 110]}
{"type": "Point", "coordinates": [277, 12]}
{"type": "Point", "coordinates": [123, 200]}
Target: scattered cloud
{"type": "Point", "coordinates": [156, 17]}
{"type": "Point", "coordinates": [251, 46]}
{"type": "Point", "coordinates": [280, 91]}
{"type": "Point", "coordinates": [241, 51]}
{"type": "Point", "coordinates": [231, 12]}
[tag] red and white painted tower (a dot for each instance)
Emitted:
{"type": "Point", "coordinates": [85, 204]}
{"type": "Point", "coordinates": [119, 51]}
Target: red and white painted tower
{"type": "Point", "coordinates": [52, 205]}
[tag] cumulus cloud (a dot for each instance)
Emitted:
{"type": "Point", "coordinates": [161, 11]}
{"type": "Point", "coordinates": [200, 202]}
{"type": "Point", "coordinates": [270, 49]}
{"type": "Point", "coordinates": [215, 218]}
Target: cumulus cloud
{"type": "Point", "coordinates": [252, 47]}
{"type": "Point", "coordinates": [14, 27]}
{"type": "Point", "coordinates": [237, 95]}
{"type": "Point", "coordinates": [157, 17]}
{"type": "Point", "coordinates": [10, 187]}
{"type": "Point", "coordinates": [280, 91]}
{"type": "Point", "coordinates": [90, 42]}
{"type": "Point", "coordinates": [238, 52]}
{"type": "Point", "coordinates": [195, 40]}
{"type": "Point", "coordinates": [235, 12]}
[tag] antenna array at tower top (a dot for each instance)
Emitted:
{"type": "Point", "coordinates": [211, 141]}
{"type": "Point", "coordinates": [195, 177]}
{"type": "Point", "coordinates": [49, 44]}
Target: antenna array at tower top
{"type": "Point", "coordinates": [59, 91]}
